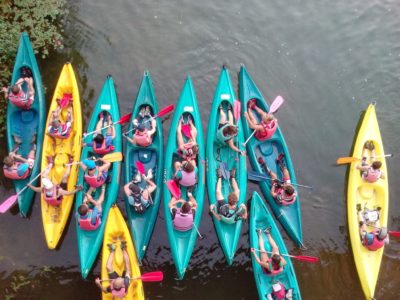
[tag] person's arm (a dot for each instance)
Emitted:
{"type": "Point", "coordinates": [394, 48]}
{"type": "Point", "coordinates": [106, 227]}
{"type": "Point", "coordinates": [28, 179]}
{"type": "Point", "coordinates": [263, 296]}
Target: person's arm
{"type": "Point", "coordinates": [172, 203]}
{"type": "Point", "coordinates": [5, 91]}
{"type": "Point", "coordinates": [283, 261]}
{"type": "Point", "coordinates": [215, 214]}
{"type": "Point", "coordinates": [106, 164]}
{"type": "Point", "coordinates": [244, 214]}
{"type": "Point", "coordinates": [20, 158]}
{"type": "Point", "coordinates": [34, 188]}
{"type": "Point", "coordinates": [112, 132]}
{"type": "Point", "coordinates": [83, 166]}
{"type": "Point", "coordinates": [98, 283]}
{"type": "Point", "coordinates": [68, 193]}
{"type": "Point", "coordinates": [233, 147]}
{"type": "Point", "coordinates": [382, 175]}
{"type": "Point", "coordinates": [130, 140]}
{"type": "Point", "coordinates": [261, 263]}
{"type": "Point", "coordinates": [151, 187]}
{"type": "Point", "coordinates": [127, 190]}
{"type": "Point", "coordinates": [362, 168]}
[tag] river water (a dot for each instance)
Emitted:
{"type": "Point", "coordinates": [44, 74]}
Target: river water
{"type": "Point", "coordinates": [328, 59]}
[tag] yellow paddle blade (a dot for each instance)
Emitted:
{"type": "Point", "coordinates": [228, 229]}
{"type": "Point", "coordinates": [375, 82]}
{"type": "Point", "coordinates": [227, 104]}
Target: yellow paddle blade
{"type": "Point", "coordinates": [113, 157]}
{"type": "Point", "coordinates": [346, 160]}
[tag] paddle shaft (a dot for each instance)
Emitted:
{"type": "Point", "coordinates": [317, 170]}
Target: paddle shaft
{"type": "Point", "coordinates": [198, 232]}
{"type": "Point", "coordinates": [394, 233]}
{"type": "Point", "coordinates": [123, 119]}
{"type": "Point", "coordinates": [36, 177]}
{"type": "Point", "coordinates": [298, 257]}
{"type": "Point", "coordinates": [111, 157]}
{"type": "Point", "coordinates": [350, 159]}
{"type": "Point", "coordinates": [245, 143]}
{"type": "Point", "coordinates": [262, 177]}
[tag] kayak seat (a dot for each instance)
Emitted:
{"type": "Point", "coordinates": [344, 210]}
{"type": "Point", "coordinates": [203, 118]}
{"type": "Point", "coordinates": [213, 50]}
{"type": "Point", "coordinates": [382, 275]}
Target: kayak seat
{"type": "Point", "coordinates": [266, 149]}
{"type": "Point", "coordinates": [145, 156]}
{"type": "Point", "coordinates": [367, 192]}
{"type": "Point", "coordinates": [27, 116]}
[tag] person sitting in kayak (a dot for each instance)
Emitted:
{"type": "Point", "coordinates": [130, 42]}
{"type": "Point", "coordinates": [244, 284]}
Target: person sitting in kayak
{"type": "Point", "coordinates": [140, 198]}
{"type": "Point", "coordinates": [228, 212]}
{"type": "Point", "coordinates": [271, 265]}
{"type": "Point", "coordinates": [57, 129]}
{"type": "Point", "coordinates": [280, 292]}
{"type": "Point", "coordinates": [183, 217]}
{"type": "Point", "coordinates": [90, 218]}
{"type": "Point", "coordinates": [95, 175]}
{"type": "Point", "coordinates": [375, 239]}
{"type": "Point", "coordinates": [227, 130]}
{"type": "Point", "coordinates": [190, 149]}
{"type": "Point", "coordinates": [119, 283]}
{"type": "Point", "coordinates": [186, 173]}
{"type": "Point", "coordinates": [282, 191]}
{"type": "Point", "coordinates": [143, 136]}
{"type": "Point", "coordinates": [267, 126]}
{"type": "Point", "coordinates": [17, 96]}
{"type": "Point", "coordinates": [370, 173]}
{"type": "Point", "coordinates": [102, 144]}
{"type": "Point", "coordinates": [15, 166]}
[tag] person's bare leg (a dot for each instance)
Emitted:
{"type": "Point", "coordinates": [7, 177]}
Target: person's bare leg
{"type": "Point", "coordinates": [110, 261]}
{"type": "Point", "coordinates": [222, 116]}
{"type": "Point", "coordinates": [218, 189]}
{"type": "Point", "coordinates": [272, 243]}
{"type": "Point", "coordinates": [177, 166]}
{"type": "Point", "coordinates": [179, 135]}
{"type": "Point", "coordinates": [235, 187]}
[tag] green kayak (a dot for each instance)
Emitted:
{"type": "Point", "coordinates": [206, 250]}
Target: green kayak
{"type": "Point", "coordinates": [269, 150]}
{"type": "Point", "coordinates": [218, 155]}
{"type": "Point", "coordinates": [260, 218]}
{"type": "Point", "coordinates": [89, 242]}
{"type": "Point", "coordinates": [142, 225]}
{"type": "Point", "coordinates": [182, 242]}
{"type": "Point", "coordinates": [26, 123]}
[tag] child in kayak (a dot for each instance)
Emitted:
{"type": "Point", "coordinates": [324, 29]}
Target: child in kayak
{"type": "Point", "coordinates": [267, 126]}
{"type": "Point", "coordinates": [119, 283]}
{"type": "Point", "coordinates": [95, 175]}
{"type": "Point", "coordinates": [17, 96]}
{"type": "Point", "coordinates": [90, 211]}
{"type": "Point", "coordinates": [186, 173]}
{"type": "Point", "coordinates": [143, 136]}
{"type": "Point", "coordinates": [183, 217]}
{"type": "Point", "coordinates": [57, 129]}
{"type": "Point", "coordinates": [271, 265]}
{"type": "Point", "coordinates": [102, 144]}
{"type": "Point", "coordinates": [140, 198]}
{"type": "Point", "coordinates": [378, 237]}
{"type": "Point", "coordinates": [370, 173]}
{"type": "Point", "coordinates": [190, 149]}
{"type": "Point", "coordinates": [227, 130]}
{"type": "Point", "coordinates": [228, 212]}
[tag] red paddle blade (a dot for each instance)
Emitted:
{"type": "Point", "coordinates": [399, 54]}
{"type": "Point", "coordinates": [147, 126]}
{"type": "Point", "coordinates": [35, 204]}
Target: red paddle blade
{"type": "Point", "coordinates": [65, 100]}
{"type": "Point", "coordinates": [164, 111]}
{"type": "Point", "coordinates": [306, 258]}
{"type": "Point", "coordinates": [394, 233]}
{"type": "Point", "coordinates": [236, 110]}
{"type": "Point", "coordinates": [140, 167]}
{"type": "Point", "coordinates": [8, 203]}
{"type": "Point", "coordinates": [276, 104]}
{"type": "Point", "coordinates": [152, 276]}
{"type": "Point", "coordinates": [174, 188]}
{"type": "Point", "coordinates": [124, 119]}
{"type": "Point", "coordinates": [186, 130]}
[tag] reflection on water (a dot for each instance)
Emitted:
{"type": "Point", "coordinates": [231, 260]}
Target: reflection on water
{"type": "Point", "coordinates": [327, 59]}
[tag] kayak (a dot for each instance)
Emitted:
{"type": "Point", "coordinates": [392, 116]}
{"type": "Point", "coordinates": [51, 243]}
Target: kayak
{"type": "Point", "coordinates": [115, 231]}
{"type": "Point", "coordinates": [269, 150]}
{"type": "Point", "coordinates": [89, 242]}
{"type": "Point", "coordinates": [142, 225]}
{"type": "Point", "coordinates": [228, 234]}
{"type": "Point", "coordinates": [261, 218]}
{"type": "Point", "coordinates": [368, 195]}
{"type": "Point", "coordinates": [182, 242]}
{"type": "Point", "coordinates": [26, 123]}
{"type": "Point", "coordinates": [55, 217]}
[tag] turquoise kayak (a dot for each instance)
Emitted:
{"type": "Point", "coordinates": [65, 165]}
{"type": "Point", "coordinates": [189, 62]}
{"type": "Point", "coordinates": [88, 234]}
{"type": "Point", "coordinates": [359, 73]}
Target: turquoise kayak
{"type": "Point", "coordinates": [260, 218]}
{"type": "Point", "coordinates": [27, 123]}
{"type": "Point", "coordinates": [289, 216]}
{"type": "Point", "coordinates": [182, 242]}
{"type": "Point", "coordinates": [142, 225]}
{"type": "Point", "coordinates": [228, 234]}
{"type": "Point", "coordinates": [89, 242]}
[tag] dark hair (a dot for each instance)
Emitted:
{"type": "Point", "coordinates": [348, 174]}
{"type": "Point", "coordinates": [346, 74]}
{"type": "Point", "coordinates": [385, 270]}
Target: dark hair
{"type": "Point", "coordinates": [188, 167]}
{"type": "Point", "coordinates": [232, 198]}
{"type": "Point", "coordinates": [55, 123]}
{"type": "Point", "coordinates": [135, 188]}
{"type": "Point", "coordinates": [276, 258]}
{"type": "Point", "coordinates": [230, 130]}
{"type": "Point", "coordinates": [185, 208]}
{"type": "Point", "coordinates": [99, 138]}
{"type": "Point", "coordinates": [83, 209]}
{"type": "Point", "coordinates": [195, 149]}
{"type": "Point", "coordinates": [376, 165]}
{"type": "Point", "coordinates": [141, 127]}
{"type": "Point", "coordinates": [289, 190]}
{"type": "Point", "coordinates": [15, 89]}
{"type": "Point", "coordinates": [8, 161]}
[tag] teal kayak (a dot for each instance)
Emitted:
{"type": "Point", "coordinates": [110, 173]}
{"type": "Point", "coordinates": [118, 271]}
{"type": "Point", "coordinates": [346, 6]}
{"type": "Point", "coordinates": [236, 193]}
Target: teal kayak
{"type": "Point", "coordinates": [142, 225]}
{"type": "Point", "coordinates": [89, 242]}
{"type": "Point", "coordinates": [182, 242]}
{"type": "Point", "coordinates": [260, 218]}
{"type": "Point", "coordinates": [26, 123]}
{"type": "Point", "coordinates": [228, 234]}
{"type": "Point", "coordinates": [269, 150]}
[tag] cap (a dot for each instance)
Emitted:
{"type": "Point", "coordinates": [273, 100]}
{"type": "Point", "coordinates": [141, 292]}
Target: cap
{"type": "Point", "coordinates": [47, 183]}
{"type": "Point", "coordinates": [90, 164]}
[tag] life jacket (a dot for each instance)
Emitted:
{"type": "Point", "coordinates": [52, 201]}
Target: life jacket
{"type": "Point", "coordinates": [12, 173]}
{"type": "Point", "coordinates": [279, 292]}
{"type": "Point", "coordinates": [273, 269]}
{"type": "Point", "coordinates": [119, 294]}
{"type": "Point", "coordinates": [20, 100]}
{"type": "Point", "coordinates": [142, 138]}
{"type": "Point", "coordinates": [86, 223]}
{"type": "Point", "coordinates": [221, 138]}
{"type": "Point", "coordinates": [371, 175]}
{"type": "Point", "coordinates": [52, 200]}
{"type": "Point", "coordinates": [183, 222]}
{"type": "Point", "coordinates": [371, 216]}
{"type": "Point", "coordinates": [268, 131]}
{"type": "Point", "coordinates": [188, 179]}
{"type": "Point", "coordinates": [376, 243]}
{"type": "Point", "coordinates": [62, 133]}
{"type": "Point", "coordinates": [94, 181]}
{"type": "Point", "coordinates": [103, 149]}
{"type": "Point", "coordinates": [285, 199]}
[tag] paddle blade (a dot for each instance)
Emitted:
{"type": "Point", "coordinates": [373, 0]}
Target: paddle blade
{"type": "Point", "coordinates": [124, 119]}
{"type": "Point", "coordinates": [305, 258]}
{"type": "Point", "coordinates": [152, 276]}
{"type": "Point", "coordinates": [236, 110]}
{"type": "Point", "coordinates": [346, 160]}
{"type": "Point", "coordinates": [394, 233]}
{"type": "Point", "coordinates": [113, 157]}
{"type": "Point", "coordinates": [174, 188]}
{"type": "Point", "coordinates": [186, 130]}
{"type": "Point", "coordinates": [224, 170]}
{"type": "Point", "coordinates": [8, 203]}
{"type": "Point", "coordinates": [165, 111]}
{"type": "Point", "coordinates": [251, 175]}
{"type": "Point", "coordinates": [140, 167]}
{"type": "Point", "coordinates": [276, 104]}
{"type": "Point", "coordinates": [65, 100]}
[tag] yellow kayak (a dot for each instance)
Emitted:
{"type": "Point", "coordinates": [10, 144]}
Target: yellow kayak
{"type": "Point", "coordinates": [55, 217]}
{"type": "Point", "coordinates": [369, 195]}
{"type": "Point", "coordinates": [117, 230]}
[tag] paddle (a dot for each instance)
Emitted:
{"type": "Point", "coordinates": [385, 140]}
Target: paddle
{"type": "Point", "coordinates": [272, 109]}
{"type": "Point", "coordinates": [348, 160]}
{"type": "Point", "coordinates": [10, 201]}
{"type": "Point", "coordinates": [305, 258]}
{"type": "Point", "coordinates": [124, 119]}
{"type": "Point", "coordinates": [236, 110]}
{"type": "Point", "coordinates": [186, 130]}
{"type": "Point", "coordinates": [65, 100]}
{"type": "Point", "coordinates": [161, 113]}
{"type": "Point", "coordinates": [255, 176]}
{"type": "Point", "coordinates": [224, 170]}
{"type": "Point", "coordinates": [198, 232]}
{"type": "Point", "coordinates": [173, 188]}
{"type": "Point", "coordinates": [146, 277]}
{"type": "Point", "coordinates": [390, 232]}
{"type": "Point", "coordinates": [111, 157]}
{"type": "Point", "coordinates": [140, 167]}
